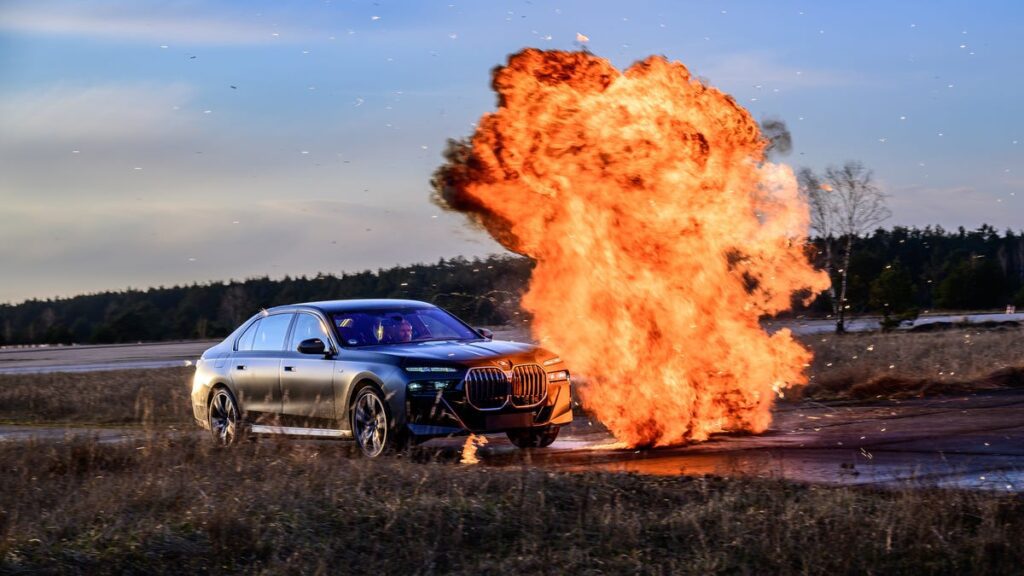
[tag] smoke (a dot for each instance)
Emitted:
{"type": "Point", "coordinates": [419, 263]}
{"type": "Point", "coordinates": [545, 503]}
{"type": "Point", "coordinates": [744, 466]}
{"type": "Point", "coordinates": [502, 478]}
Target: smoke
{"type": "Point", "coordinates": [780, 141]}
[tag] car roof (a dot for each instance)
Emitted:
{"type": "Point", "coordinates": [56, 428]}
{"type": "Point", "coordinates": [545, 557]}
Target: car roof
{"type": "Point", "coordinates": [335, 306]}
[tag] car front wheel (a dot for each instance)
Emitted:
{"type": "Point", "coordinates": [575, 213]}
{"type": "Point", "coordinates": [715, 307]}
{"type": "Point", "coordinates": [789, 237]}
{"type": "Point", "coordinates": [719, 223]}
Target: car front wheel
{"type": "Point", "coordinates": [533, 437]}
{"type": "Point", "coordinates": [372, 425]}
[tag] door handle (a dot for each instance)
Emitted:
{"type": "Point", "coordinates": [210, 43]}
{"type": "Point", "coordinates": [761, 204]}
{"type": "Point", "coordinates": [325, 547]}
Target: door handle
{"type": "Point", "coordinates": [289, 368]}
{"type": "Point", "coordinates": [240, 367]}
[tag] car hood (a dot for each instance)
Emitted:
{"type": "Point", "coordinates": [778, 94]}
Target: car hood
{"type": "Point", "coordinates": [453, 351]}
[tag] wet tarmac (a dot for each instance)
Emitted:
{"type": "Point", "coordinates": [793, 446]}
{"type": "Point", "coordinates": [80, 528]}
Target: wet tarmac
{"type": "Point", "coordinates": [972, 441]}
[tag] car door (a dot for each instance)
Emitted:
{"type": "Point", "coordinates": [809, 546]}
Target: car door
{"type": "Point", "coordinates": [307, 387]}
{"type": "Point", "coordinates": [255, 370]}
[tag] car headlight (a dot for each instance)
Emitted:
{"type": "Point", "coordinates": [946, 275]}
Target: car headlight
{"type": "Point", "coordinates": [430, 369]}
{"type": "Point", "coordinates": [558, 376]}
{"type": "Point", "coordinates": [431, 386]}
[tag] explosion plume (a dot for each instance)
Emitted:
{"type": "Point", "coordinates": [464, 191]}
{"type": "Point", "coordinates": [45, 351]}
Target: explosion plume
{"type": "Point", "coordinates": [660, 233]}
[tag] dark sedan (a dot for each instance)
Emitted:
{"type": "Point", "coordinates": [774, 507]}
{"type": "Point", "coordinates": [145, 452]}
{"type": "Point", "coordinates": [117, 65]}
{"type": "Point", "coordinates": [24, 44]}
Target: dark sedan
{"type": "Point", "coordinates": [382, 372]}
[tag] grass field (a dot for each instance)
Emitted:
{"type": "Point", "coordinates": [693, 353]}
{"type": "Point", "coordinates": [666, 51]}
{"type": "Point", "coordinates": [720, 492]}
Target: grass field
{"type": "Point", "coordinates": [179, 506]}
{"type": "Point", "coordinates": [171, 503]}
{"type": "Point", "coordinates": [124, 397]}
{"type": "Point", "coordinates": [869, 365]}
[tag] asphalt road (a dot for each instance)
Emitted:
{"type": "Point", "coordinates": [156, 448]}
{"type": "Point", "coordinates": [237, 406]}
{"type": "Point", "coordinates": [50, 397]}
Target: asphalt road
{"type": "Point", "coordinates": [39, 359]}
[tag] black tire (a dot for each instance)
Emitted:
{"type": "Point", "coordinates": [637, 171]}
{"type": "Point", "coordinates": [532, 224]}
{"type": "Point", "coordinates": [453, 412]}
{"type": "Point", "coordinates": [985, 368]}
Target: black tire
{"type": "Point", "coordinates": [373, 428]}
{"type": "Point", "coordinates": [533, 437]}
{"type": "Point", "coordinates": [224, 418]}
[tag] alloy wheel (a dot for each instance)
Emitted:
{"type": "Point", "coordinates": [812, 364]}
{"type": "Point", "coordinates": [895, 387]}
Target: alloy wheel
{"type": "Point", "coordinates": [224, 422]}
{"type": "Point", "coordinates": [370, 423]}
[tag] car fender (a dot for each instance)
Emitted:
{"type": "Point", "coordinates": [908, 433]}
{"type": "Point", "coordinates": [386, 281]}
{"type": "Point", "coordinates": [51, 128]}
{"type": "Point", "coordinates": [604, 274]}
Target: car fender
{"type": "Point", "coordinates": [389, 382]}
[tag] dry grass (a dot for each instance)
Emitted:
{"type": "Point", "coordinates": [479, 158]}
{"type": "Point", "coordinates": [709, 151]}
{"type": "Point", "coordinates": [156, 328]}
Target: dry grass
{"type": "Point", "coordinates": [122, 397]}
{"type": "Point", "coordinates": [177, 505]}
{"type": "Point", "coordinates": [867, 365]}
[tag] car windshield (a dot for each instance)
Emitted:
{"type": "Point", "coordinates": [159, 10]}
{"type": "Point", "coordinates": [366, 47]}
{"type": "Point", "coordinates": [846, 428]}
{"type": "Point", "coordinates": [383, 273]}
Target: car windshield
{"type": "Point", "coordinates": [399, 325]}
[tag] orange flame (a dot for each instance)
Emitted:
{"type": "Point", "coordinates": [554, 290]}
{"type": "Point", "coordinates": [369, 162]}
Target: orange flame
{"type": "Point", "coordinates": [660, 233]}
{"type": "Point", "coordinates": [469, 448]}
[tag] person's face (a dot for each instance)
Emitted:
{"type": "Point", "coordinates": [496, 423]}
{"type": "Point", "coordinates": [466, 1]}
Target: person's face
{"type": "Point", "coordinates": [404, 332]}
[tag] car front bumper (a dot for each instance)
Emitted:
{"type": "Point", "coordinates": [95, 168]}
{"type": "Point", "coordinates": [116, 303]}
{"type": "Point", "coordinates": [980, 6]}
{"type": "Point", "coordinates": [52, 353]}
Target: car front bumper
{"type": "Point", "coordinates": [449, 413]}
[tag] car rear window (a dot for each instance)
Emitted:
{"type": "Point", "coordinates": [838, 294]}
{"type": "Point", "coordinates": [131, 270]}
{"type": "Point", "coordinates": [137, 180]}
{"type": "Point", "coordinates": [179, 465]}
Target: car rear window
{"type": "Point", "coordinates": [246, 340]}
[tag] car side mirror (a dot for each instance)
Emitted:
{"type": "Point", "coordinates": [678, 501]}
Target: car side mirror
{"type": "Point", "coordinates": [312, 346]}
{"type": "Point", "coordinates": [485, 333]}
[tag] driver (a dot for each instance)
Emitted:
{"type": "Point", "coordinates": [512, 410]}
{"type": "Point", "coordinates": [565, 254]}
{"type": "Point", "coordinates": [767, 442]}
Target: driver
{"type": "Point", "coordinates": [401, 331]}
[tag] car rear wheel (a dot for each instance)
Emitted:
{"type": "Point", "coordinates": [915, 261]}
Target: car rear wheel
{"type": "Point", "coordinates": [372, 425]}
{"type": "Point", "coordinates": [533, 437]}
{"type": "Point", "coordinates": [225, 424]}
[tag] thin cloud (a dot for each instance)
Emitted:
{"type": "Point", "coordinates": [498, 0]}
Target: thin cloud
{"type": "Point", "coordinates": [80, 114]}
{"type": "Point", "coordinates": [759, 68]}
{"type": "Point", "coordinates": [157, 242]}
{"type": "Point", "coordinates": [168, 23]}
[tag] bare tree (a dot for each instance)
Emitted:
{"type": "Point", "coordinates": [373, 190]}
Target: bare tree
{"type": "Point", "coordinates": [844, 204]}
{"type": "Point", "coordinates": [823, 218]}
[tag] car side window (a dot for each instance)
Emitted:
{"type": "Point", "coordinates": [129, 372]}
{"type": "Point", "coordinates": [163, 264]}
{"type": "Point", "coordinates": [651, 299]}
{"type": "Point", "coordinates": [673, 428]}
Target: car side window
{"type": "Point", "coordinates": [308, 326]}
{"type": "Point", "coordinates": [272, 331]}
{"type": "Point", "coordinates": [247, 338]}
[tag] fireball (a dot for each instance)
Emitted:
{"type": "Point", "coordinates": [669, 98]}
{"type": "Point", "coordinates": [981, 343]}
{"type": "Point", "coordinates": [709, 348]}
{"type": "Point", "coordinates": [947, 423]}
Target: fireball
{"type": "Point", "coordinates": [661, 236]}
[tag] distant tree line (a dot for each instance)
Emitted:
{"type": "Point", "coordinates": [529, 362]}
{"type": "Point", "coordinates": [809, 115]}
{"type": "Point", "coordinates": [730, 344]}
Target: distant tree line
{"type": "Point", "coordinates": [479, 291]}
{"type": "Point", "coordinates": [904, 271]}
{"type": "Point", "coordinates": [897, 272]}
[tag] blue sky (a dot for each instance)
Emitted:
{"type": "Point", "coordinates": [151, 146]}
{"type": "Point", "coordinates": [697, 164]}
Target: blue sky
{"type": "Point", "coordinates": [149, 143]}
